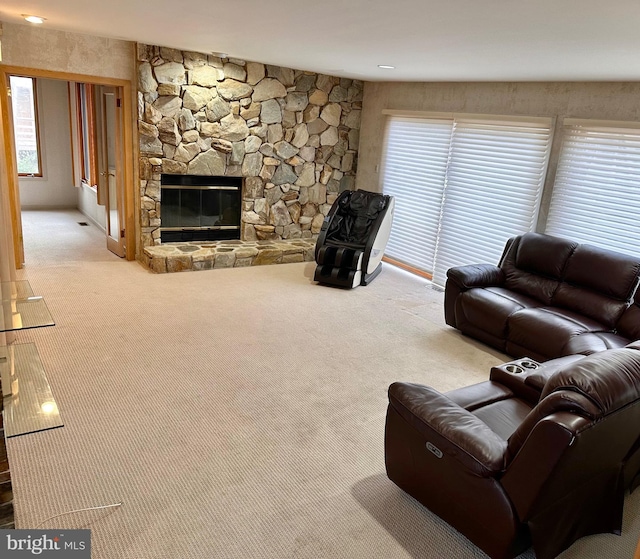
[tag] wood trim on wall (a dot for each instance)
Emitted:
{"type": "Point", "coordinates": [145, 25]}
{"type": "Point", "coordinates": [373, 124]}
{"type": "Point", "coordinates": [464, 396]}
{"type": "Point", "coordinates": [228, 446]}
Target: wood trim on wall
{"type": "Point", "coordinates": [129, 170]}
{"type": "Point", "coordinates": [131, 200]}
{"type": "Point", "coordinates": [12, 171]}
{"type": "Point", "coordinates": [92, 134]}
{"type": "Point", "coordinates": [7, 256]}
{"type": "Point", "coordinates": [408, 268]}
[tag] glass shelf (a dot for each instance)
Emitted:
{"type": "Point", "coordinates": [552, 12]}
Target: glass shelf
{"type": "Point", "coordinates": [30, 407]}
{"type": "Point", "coordinates": [20, 309]}
{"type": "Point", "coordinates": [12, 290]}
{"type": "Point", "coordinates": [26, 396]}
{"type": "Point", "coordinates": [21, 314]}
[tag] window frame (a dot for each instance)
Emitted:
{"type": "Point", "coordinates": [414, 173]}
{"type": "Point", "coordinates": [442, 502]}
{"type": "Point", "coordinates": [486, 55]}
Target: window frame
{"type": "Point", "coordinates": [454, 184]}
{"type": "Point", "coordinates": [36, 118]}
{"type": "Point", "coordinates": [87, 134]}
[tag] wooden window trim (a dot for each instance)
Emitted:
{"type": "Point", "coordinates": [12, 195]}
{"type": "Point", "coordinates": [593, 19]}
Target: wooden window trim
{"type": "Point", "coordinates": [89, 105]}
{"type": "Point", "coordinates": [408, 268]}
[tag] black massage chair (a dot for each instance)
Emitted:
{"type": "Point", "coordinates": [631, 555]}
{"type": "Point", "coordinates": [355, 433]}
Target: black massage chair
{"type": "Point", "coordinates": [353, 237]}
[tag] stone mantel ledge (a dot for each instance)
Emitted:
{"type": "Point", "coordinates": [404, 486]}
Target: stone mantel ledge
{"type": "Point", "coordinates": [182, 257]}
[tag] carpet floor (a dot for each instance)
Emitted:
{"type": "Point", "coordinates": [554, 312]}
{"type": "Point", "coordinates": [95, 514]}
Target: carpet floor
{"type": "Point", "coordinates": [237, 413]}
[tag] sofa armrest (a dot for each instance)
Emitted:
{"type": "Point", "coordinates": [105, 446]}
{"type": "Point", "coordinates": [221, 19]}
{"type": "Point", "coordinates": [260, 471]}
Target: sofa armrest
{"type": "Point", "coordinates": [476, 275]}
{"type": "Point", "coordinates": [530, 469]}
{"type": "Point", "coordinates": [539, 377]}
{"type": "Point", "coordinates": [453, 430]}
{"type": "Point", "coordinates": [529, 383]}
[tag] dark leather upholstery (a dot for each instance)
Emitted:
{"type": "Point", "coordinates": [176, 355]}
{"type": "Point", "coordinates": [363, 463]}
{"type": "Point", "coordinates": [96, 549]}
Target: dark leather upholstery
{"type": "Point", "coordinates": [510, 471]}
{"type": "Point", "coordinates": [548, 297]}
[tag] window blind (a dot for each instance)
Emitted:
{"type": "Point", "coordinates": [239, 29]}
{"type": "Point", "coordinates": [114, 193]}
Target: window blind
{"type": "Point", "coordinates": [416, 156]}
{"type": "Point", "coordinates": [596, 197]}
{"type": "Point", "coordinates": [493, 187]}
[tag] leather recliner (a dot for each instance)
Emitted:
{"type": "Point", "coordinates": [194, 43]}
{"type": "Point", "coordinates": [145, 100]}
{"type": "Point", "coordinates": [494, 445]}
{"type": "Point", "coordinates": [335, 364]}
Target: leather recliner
{"type": "Point", "coordinates": [537, 459]}
{"type": "Point", "coordinates": [548, 297]}
{"type": "Point", "coordinates": [353, 237]}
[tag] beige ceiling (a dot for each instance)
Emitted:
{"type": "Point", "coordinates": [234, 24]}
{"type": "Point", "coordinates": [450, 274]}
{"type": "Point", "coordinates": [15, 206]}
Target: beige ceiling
{"type": "Point", "coordinates": [430, 40]}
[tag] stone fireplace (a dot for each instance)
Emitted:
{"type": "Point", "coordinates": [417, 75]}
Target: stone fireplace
{"type": "Point", "coordinates": [290, 136]}
{"type": "Point", "coordinates": [200, 208]}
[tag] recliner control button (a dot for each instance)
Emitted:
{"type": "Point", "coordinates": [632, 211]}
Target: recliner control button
{"type": "Point", "coordinates": [434, 450]}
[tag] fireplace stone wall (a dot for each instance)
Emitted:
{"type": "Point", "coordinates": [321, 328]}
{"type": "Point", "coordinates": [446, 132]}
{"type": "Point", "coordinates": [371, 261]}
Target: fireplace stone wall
{"type": "Point", "coordinates": [293, 135]}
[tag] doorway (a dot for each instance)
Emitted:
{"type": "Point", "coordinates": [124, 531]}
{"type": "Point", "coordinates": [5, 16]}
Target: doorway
{"type": "Point", "coordinates": [101, 154]}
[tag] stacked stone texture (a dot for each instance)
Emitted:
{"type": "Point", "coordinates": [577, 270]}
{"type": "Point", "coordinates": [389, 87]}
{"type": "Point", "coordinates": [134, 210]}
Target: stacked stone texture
{"type": "Point", "coordinates": [293, 136]}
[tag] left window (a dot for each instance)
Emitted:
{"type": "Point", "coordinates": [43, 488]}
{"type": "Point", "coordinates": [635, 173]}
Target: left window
{"type": "Point", "coordinates": [25, 125]}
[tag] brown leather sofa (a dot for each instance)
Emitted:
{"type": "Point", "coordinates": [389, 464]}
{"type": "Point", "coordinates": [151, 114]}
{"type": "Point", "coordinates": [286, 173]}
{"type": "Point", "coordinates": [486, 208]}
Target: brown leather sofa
{"type": "Point", "coordinates": [542, 457]}
{"type": "Point", "coordinates": [547, 298]}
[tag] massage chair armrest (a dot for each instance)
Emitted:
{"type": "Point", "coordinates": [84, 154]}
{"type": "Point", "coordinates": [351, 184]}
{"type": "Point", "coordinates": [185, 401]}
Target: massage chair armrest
{"type": "Point", "coordinates": [476, 275]}
{"type": "Point", "coordinates": [449, 429]}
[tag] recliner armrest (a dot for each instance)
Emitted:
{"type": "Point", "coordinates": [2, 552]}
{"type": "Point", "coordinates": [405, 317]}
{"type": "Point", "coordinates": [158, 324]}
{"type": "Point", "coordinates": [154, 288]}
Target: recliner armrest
{"type": "Point", "coordinates": [450, 428]}
{"type": "Point", "coordinates": [476, 275]}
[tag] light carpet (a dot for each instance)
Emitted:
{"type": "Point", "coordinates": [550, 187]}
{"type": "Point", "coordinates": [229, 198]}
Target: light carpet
{"type": "Point", "coordinates": [237, 413]}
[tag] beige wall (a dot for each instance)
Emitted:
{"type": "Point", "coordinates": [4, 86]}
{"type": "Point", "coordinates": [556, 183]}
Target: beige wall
{"type": "Point", "coordinates": [54, 189]}
{"type": "Point", "coordinates": [595, 100]}
{"type": "Point", "coordinates": [47, 49]}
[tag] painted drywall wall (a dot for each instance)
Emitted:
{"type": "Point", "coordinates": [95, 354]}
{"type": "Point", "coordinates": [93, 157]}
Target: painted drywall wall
{"type": "Point", "coordinates": [55, 188]}
{"type": "Point", "coordinates": [88, 205]}
{"type": "Point", "coordinates": [591, 100]}
{"type": "Point", "coordinates": [47, 49]}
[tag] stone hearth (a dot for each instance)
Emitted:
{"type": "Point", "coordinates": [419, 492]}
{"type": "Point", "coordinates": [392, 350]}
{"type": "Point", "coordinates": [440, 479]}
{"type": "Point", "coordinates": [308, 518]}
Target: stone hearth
{"type": "Point", "coordinates": [182, 257]}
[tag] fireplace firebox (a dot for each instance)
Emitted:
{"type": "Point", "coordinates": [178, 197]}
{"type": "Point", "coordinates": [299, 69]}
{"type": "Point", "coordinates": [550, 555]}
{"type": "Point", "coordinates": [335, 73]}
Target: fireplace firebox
{"type": "Point", "coordinates": [199, 208]}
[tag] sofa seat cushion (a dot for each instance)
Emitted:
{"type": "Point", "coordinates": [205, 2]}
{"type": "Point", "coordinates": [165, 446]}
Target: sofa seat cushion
{"type": "Point", "coordinates": [547, 330]}
{"type": "Point", "coordinates": [591, 342]}
{"type": "Point", "coordinates": [478, 395]}
{"type": "Point", "coordinates": [490, 308]}
{"type": "Point", "coordinates": [505, 416]}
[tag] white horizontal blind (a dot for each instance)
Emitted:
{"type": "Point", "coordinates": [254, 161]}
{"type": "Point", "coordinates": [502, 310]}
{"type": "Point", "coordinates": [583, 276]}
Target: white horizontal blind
{"type": "Point", "coordinates": [492, 189]}
{"type": "Point", "coordinates": [596, 196]}
{"type": "Point", "coordinates": [415, 163]}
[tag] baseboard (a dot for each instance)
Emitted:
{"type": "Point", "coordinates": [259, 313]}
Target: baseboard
{"type": "Point", "coordinates": [37, 207]}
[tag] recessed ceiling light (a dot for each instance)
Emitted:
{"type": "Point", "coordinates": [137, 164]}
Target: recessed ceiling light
{"type": "Point", "coordinates": [33, 19]}
{"type": "Point", "coordinates": [386, 67]}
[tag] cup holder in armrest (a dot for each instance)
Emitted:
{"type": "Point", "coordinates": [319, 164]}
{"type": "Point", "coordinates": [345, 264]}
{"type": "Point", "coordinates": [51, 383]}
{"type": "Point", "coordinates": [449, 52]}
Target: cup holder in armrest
{"type": "Point", "coordinates": [529, 364]}
{"type": "Point", "coordinates": [516, 375]}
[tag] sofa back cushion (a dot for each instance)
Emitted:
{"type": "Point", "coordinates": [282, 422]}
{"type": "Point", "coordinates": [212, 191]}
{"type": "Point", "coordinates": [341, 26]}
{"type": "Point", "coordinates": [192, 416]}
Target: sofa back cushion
{"type": "Point", "coordinates": [629, 323]}
{"type": "Point", "coordinates": [535, 263]}
{"type": "Point", "coordinates": [598, 283]}
{"type": "Point", "coordinates": [610, 379]}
